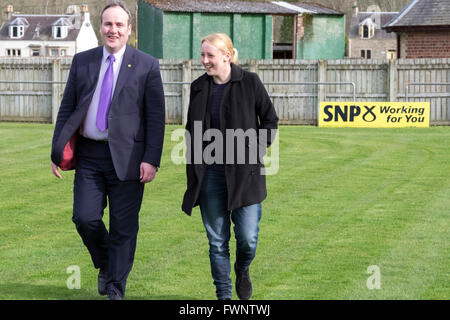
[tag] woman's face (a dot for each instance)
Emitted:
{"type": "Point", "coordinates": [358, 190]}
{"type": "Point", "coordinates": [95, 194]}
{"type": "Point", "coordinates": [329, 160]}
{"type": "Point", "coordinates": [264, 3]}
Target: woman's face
{"type": "Point", "coordinates": [214, 61]}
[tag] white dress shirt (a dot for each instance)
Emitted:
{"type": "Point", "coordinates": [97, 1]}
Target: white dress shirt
{"type": "Point", "coordinates": [89, 127]}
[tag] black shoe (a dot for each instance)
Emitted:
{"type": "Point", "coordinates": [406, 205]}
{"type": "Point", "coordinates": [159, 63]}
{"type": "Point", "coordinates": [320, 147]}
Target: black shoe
{"type": "Point", "coordinates": [244, 288]}
{"type": "Point", "coordinates": [112, 295]}
{"type": "Point", "coordinates": [102, 278]}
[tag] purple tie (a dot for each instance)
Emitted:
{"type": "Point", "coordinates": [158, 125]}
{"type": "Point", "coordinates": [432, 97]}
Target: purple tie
{"type": "Point", "coordinates": [105, 96]}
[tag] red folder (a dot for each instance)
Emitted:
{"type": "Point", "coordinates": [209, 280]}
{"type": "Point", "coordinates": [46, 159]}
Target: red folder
{"type": "Point", "coordinates": [69, 160]}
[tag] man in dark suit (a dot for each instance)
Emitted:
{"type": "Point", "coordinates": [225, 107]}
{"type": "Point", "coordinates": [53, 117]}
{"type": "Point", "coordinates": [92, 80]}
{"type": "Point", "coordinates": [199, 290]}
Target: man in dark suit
{"type": "Point", "coordinates": [113, 107]}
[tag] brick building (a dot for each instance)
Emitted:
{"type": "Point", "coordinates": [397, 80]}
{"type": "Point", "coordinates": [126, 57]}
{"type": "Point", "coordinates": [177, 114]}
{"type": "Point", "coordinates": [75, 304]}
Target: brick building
{"type": "Point", "coordinates": [423, 29]}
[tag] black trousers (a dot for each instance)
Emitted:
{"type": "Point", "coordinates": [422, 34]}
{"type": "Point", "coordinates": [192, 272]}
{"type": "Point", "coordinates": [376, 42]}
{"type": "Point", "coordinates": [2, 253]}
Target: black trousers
{"type": "Point", "coordinates": [96, 185]}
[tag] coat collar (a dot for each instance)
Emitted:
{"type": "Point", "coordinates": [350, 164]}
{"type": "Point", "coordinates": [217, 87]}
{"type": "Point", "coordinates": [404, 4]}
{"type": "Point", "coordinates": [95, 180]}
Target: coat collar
{"type": "Point", "coordinates": [94, 65]}
{"type": "Point", "coordinates": [236, 73]}
{"type": "Point", "coordinates": [126, 69]}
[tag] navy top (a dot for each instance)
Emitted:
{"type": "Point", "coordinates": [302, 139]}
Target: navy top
{"type": "Point", "coordinates": [216, 99]}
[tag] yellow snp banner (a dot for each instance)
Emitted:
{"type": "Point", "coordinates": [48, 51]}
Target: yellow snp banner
{"type": "Point", "coordinates": [374, 114]}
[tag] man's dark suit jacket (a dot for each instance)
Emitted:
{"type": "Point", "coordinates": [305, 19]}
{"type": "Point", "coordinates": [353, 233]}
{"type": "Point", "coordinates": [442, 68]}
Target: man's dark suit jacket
{"type": "Point", "coordinates": [136, 116]}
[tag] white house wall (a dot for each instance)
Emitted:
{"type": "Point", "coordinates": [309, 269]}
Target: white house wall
{"type": "Point", "coordinates": [45, 46]}
{"type": "Point", "coordinates": [87, 38]}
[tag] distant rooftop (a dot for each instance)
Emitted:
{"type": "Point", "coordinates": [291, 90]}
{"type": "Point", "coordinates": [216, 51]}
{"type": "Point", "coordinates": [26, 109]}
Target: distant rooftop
{"type": "Point", "coordinates": [227, 6]}
{"type": "Point", "coordinates": [377, 17]}
{"type": "Point", "coordinates": [40, 26]}
{"type": "Point", "coordinates": [422, 13]}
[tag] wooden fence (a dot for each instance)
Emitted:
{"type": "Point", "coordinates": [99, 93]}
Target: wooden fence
{"type": "Point", "coordinates": [31, 89]}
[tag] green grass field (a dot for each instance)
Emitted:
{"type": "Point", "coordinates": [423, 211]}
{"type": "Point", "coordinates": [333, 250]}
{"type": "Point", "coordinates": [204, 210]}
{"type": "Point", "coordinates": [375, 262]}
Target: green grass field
{"type": "Point", "coordinates": [342, 200]}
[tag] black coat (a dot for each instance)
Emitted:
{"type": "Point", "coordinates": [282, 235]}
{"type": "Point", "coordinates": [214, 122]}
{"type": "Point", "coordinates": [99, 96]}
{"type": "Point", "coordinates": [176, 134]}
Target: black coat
{"type": "Point", "coordinates": [245, 105]}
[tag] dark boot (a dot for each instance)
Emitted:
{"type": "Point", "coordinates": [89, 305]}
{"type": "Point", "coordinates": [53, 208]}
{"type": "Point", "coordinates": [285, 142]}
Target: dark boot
{"type": "Point", "coordinates": [244, 288]}
{"type": "Point", "coordinates": [102, 278]}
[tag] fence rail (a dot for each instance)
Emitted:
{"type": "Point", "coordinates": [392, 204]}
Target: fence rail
{"type": "Point", "coordinates": [426, 84]}
{"type": "Point", "coordinates": [31, 89]}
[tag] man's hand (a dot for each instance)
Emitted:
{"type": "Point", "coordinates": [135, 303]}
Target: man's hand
{"type": "Point", "coordinates": [148, 172]}
{"type": "Point", "coordinates": [56, 171]}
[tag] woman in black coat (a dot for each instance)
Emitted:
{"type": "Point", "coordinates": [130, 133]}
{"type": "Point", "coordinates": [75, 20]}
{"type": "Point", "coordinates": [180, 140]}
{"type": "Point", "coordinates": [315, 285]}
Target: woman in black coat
{"type": "Point", "coordinates": [231, 122]}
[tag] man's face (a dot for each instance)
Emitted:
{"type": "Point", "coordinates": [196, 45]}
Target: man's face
{"type": "Point", "coordinates": [115, 29]}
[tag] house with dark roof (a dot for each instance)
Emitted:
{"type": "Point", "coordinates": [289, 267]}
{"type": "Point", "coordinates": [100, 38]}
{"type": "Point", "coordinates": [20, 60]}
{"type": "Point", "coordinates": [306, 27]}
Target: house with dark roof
{"type": "Point", "coordinates": [174, 29]}
{"type": "Point", "coordinates": [367, 39]}
{"type": "Point", "coordinates": [423, 29]}
{"type": "Point", "coordinates": [39, 35]}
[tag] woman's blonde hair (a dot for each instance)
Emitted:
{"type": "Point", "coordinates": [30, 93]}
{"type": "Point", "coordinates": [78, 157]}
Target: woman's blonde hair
{"type": "Point", "coordinates": [223, 42]}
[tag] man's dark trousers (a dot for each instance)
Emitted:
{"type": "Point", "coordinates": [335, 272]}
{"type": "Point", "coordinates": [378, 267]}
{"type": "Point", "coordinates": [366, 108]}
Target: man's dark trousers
{"type": "Point", "coordinates": [95, 182]}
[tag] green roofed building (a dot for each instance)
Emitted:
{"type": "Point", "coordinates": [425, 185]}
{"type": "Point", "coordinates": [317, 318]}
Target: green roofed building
{"type": "Point", "coordinates": [173, 29]}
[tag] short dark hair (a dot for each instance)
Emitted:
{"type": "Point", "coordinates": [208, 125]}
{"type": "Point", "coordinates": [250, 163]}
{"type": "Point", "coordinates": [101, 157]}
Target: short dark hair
{"type": "Point", "coordinates": [116, 3]}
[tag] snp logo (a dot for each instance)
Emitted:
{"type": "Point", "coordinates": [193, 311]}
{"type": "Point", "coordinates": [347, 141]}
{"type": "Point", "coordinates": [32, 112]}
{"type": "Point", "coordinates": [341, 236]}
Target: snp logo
{"type": "Point", "coordinates": [348, 113]}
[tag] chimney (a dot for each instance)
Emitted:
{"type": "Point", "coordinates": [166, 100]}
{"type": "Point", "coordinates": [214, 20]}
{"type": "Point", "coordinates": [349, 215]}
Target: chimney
{"type": "Point", "coordinates": [37, 31]}
{"type": "Point", "coordinates": [355, 8]}
{"type": "Point", "coordinates": [9, 11]}
{"type": "Point", "coordinates": [85, 13]}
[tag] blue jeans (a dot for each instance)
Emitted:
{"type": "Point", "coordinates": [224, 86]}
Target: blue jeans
{"type": "Point", "coordinates": [216, 219]}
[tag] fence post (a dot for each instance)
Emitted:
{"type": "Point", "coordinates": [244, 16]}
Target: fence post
{"type": "Point", "coordinates": [392, 81]}
{"type": "Point", "coordinates": [253, 66]}
{"type": "Point", "coordinates": [187, 77]}
{"type": "Point", "coordinates": [56, 77]}
{"type": "Point", "coordinates": [322, 77]}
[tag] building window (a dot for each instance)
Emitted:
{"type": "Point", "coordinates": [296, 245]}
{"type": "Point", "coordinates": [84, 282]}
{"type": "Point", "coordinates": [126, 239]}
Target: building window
{"type": "Point", "coordinates": [17, 28]}
{"type": "Point", "coordinates": [16, 32]}
{"type": "Point", "coordinates": [365, 32]}
{"type": "Point", "coordinates": [58, 52]}
{"type": "Point", "coordinates": [59, 32]}
{"type": "Point", "coordinates": [391, 54]}
{"type": "Point", "coordinates": [13, 52]}
{"type": "Point", "coordinates": [60, 28]}
{"type": "Point", "coordinates": [367, 29]}
{"type": "Point", "coordinates": [366, 54]}
{"type": "Point", "coordinates": [35, 52]}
